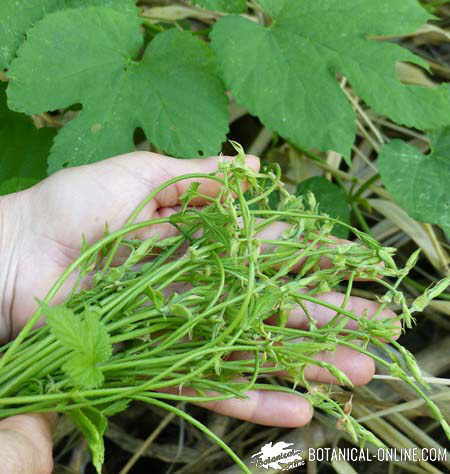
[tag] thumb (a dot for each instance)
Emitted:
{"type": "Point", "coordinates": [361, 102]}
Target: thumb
{"type": "Point", "coordinates": [156, 169]}
{"type": "Point", "coordinates": [26, 445]}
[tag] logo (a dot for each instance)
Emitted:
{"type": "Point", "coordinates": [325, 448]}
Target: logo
{"type": "Point", "coordinates": [278, 456]}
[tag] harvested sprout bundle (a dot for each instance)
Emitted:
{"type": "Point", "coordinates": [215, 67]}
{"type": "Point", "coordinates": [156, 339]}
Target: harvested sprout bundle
{"type": "Point", "coordinates": [128, 335]}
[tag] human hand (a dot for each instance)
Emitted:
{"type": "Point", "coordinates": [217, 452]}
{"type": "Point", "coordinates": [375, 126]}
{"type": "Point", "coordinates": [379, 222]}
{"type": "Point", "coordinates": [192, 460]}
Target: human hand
{"type": "Point", "coordinates": [41, 235]}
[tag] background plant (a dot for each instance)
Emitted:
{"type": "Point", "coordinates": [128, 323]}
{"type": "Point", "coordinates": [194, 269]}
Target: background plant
{"type": "Point", "coordinates": [285, 61]}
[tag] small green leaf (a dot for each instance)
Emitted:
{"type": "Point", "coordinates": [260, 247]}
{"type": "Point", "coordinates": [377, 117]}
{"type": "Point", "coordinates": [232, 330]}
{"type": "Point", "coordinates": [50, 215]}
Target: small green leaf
{"type": "Point", "coordinates": [266, 304]}
{"type": "Point", "coordinates": [331, 198]}
{"type": "Point", "coordinates": [97, 341]}
{"type": "Point", "coordinates": [285, 73]}
{"type": "Point", "coordinates": [18, 18]}
{"type": "Point", "coordinates": [23, 149]}
{"type": "Point", "coordinates": [173, 93]}
{"type": "Point", "coordinates": [419, 183]}
{"type": "Point", "coordinates": [228, 6]}
{"type": "Point", "coordinates": [88, 339]}
{"type": "Point", "coordinates": [82, 372]}
{"type": "Point", "coordinates": [92, 423]}
{"type": "Point", "coordinates": [181, 311]}
{"type": "Point", "coordinates": [156, 297]}
{"type": "Point", "coordinates": [65, 326]}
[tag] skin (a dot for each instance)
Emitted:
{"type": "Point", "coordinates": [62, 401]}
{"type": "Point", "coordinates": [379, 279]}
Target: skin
{"type": "Point", "coordinates": [40, 235]}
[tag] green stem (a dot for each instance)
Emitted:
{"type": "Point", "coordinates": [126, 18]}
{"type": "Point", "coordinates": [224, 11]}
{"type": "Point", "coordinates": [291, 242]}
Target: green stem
{"type": "Point", "coordinates": [198, 425]}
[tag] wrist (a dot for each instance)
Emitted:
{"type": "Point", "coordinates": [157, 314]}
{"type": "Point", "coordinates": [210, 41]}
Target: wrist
{"type": "Point", "coordinates": [11, 240]}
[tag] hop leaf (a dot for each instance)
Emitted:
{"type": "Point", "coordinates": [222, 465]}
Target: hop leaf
{"type": "Point", "coordinates": [419, 183]}
{"type": "Point", "coordinates": [65, 326]}
{"type": "Point", "coordinates": [88, 340]}
{"type": "Point", "coordinates": [173, 93]}
{"type": "Point", "coordinates": [286, 73]}
{"type": "Point", "coordinates": [23, 149]}
{"type": "Point", "coordinates": [15, 22]}
{"type": "Point", "coordinates": [92, 423]}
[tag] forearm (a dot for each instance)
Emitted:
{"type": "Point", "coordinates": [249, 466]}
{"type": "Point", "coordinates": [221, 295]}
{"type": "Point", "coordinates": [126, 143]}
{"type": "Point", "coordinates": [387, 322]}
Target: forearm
{"type": "Point", "coordinates": [11, 220]}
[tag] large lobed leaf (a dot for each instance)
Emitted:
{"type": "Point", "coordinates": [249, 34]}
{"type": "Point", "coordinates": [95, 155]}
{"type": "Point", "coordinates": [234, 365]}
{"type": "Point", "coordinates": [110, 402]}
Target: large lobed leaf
{"type": "Point", "coordinates": [286, 73]}
{"type": "Point", "coordinates": [88, 56]}
{"type": "Point", "coordinates": [23, 149]}
{"type": "Point", "coordinates": [20, 15]}
{"type": "Point", "coordinates": [419, 183]}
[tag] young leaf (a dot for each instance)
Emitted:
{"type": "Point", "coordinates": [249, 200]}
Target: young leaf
{"type": "Point", "coordinates": [82, 371]}
{"type": "Point", "coordinates": [65, 326]}
{"type": "Point", "coordinates": [23, 149]}
{"type": "Point", "coordinates": [419, 183]}
{"type": "Point", "coordinates": [17, 19]}
{"type": "Point", "coordinates": [96, 337]}
{"type": "Point", "coordinates": [88, 339]}
{"type": "Point", "coordinates": [229, 6]}
{"type": "Point", "coordinates": [173, 93]}
{"type": "Point", "coordinates": [286, 73]}
{"type": "Point", "coordinates": [92, 423]}
{"type": "Point", "coordinates": [331, 199]}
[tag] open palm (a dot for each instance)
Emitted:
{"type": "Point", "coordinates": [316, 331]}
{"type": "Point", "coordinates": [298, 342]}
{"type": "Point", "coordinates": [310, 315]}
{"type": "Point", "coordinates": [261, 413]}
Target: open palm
{"type": "Point", "coordinates": [45, 226]}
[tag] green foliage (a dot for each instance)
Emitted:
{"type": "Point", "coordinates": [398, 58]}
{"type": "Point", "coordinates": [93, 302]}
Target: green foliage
{"type": "Point", "coordinates": [172, 88]}
{"type": "Point", "coordinates": [126, 71]}
{"type": "Point", "coordinates": [92, 423]}
{"type": "Point", "coordinates": [229, 6]}
{"type": "Point", "coordinates": [92, 53]}
{"type": "Point", "coordinates": [419, 183]}
{"type": "Point", "coordinates": [18, 18]}
{"type": "Point", "coordinates": [88, 340]}
{"type": "Point", "coordinates": [169, 83]}
{"type": "Point", "coordinates": [23, 149]}
{"type": "Point", "coordinates": [286, 73]}
{"type": "Point", "coordinates": [331, 199]}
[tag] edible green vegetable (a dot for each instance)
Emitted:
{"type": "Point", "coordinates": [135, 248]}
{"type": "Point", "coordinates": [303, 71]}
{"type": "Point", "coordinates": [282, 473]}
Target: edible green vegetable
{"type": "Point", "coordinates": [129, 335]}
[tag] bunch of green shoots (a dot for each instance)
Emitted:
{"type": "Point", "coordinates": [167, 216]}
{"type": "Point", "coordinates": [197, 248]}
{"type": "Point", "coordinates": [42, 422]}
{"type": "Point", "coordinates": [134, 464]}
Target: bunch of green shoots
{"type": "Point", "coordinates": [130, 334]}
